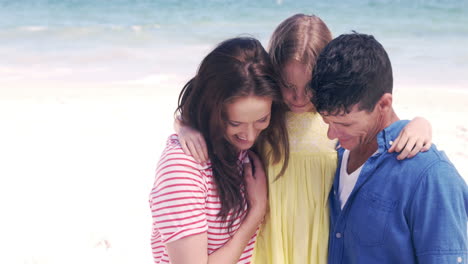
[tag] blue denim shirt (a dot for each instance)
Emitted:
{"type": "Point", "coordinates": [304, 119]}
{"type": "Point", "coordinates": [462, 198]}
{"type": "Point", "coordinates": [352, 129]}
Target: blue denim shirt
{"type": "Point", "coordinates": [409, 211]}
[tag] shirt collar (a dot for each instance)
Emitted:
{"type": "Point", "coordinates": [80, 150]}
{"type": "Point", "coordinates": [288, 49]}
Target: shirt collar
{"type": "Point", "coordinates": [242, 156]}
{"type": "Point", "coordinates": [386, 137]}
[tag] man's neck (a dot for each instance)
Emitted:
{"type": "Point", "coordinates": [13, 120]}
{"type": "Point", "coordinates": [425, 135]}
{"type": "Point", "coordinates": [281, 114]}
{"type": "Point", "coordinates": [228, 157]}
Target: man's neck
{"type": "Point", "coordinates": [359, 155]}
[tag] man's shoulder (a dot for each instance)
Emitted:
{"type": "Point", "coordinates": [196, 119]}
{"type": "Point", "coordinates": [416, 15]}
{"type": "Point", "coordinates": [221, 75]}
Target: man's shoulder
{"type": "Point", "coordinates": [438, 166]}
{"type": "Point", "coordinates": [430, 158]}
{"type": "Point", "coordinates": [431, 162]}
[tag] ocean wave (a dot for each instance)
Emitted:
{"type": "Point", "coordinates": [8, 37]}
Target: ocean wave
{"type": "Point", "coordinates": [33, 28]}
{"type": "Point", "coordinates": [89, 29]}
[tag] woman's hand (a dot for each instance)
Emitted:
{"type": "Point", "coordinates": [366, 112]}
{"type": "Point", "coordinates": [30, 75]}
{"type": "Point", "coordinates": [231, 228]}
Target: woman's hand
{"type": "Point", "coordinates": [414, 138]}
{"type": "Point", "coordinates": [192, 141]}
{"type": "Point", "coordinates": [257, 190]}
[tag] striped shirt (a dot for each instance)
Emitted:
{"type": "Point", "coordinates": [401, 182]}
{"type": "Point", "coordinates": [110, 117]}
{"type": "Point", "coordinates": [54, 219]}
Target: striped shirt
{"type": "Point", "coordinates": [184, 202]}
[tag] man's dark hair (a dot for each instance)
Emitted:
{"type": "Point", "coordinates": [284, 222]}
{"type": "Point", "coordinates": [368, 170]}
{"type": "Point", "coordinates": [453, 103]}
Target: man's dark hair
{"type": "Point", "coordinates": [352, 69]}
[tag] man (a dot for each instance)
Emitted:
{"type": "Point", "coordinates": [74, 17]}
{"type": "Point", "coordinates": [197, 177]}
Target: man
{"type": "Point", "coordinates": [383, 210]}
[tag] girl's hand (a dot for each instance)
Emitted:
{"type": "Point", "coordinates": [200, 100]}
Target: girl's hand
{"type": "Point", "coordinates": [414, 138]}
{"type": "Point", "coordinates": [257, 190]}
{"type": "Point", "coordinates": [192, 142]}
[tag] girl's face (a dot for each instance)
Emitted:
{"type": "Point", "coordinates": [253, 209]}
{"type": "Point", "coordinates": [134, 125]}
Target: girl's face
{"type": "Point", "coordinates": [295, 95]}
{"type": "Point", "coordinates": [246, 118]}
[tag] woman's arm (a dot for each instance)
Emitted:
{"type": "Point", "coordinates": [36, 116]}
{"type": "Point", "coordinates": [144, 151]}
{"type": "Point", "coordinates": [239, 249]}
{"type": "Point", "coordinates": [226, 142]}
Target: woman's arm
{"type": "Point", "coordinates": [415, 137]}
{"type": "Point", "coordinates": [193, 249]}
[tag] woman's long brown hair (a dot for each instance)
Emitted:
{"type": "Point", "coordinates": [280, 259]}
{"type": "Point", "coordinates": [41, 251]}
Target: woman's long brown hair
{"type": "Point", "coordinates": [236, 68]}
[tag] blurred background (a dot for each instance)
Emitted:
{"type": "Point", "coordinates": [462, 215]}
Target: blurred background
{"type": "Point", "coordinates": [88, 90]}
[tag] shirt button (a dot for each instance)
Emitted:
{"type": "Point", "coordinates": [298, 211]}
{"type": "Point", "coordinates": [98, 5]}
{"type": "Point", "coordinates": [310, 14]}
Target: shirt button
{"type": "Point", "coordinates": [338, 235]}
{"type": "Point", "coordinates": [391, 142]}
{"type": "Point", "coordinates": [459, 259]}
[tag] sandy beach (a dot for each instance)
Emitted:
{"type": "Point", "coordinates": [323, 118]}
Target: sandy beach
{"type": "Point", "coordinates": [447, 111]}
{"type": "Point", "coordinates": [78, 164]}
{"type": "Point", "coordinates": [77, 168]}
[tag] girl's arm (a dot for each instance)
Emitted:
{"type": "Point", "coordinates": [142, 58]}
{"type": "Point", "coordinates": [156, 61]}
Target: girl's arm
{"type": "Point", "coordinates": [191, 140]}
{"type": "Point", "coordinates": [415, 137]}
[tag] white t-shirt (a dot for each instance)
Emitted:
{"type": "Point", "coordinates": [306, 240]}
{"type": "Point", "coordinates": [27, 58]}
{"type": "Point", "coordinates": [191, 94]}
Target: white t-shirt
{"type": "Point", "coordinates": [347, 181]}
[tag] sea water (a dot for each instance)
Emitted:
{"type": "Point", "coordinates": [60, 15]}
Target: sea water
{"type": "Point", "coordinates": [124, 40]}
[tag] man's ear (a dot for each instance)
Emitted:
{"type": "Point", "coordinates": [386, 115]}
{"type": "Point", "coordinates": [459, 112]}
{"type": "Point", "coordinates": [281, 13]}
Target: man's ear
{"type": "Point", "coordinates": [385, 102]}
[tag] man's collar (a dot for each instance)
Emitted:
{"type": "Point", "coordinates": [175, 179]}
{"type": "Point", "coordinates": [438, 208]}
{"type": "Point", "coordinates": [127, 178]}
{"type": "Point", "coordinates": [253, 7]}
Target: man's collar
{"type": "Point", "coordinates": [386, 137]}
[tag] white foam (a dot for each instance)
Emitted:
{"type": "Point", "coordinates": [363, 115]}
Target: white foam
{"type": "Point", "coordinates": [137, 28]}
{"type": "Point", "coordinates": [33, 28]}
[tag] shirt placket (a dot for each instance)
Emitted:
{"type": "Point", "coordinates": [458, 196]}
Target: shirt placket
{"type": "Point", "coordinates": [337, 237]}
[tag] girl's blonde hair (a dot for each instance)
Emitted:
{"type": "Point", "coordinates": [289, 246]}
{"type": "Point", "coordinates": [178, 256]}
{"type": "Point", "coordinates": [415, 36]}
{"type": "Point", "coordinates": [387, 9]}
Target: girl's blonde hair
{"type": "Point", "coordinates": [299, 37]}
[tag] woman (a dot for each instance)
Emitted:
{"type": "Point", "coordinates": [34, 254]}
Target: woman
{"type": "Point", "coordinates": [209, 213]}
{"type": "Point", "coordinates": [297, 225]}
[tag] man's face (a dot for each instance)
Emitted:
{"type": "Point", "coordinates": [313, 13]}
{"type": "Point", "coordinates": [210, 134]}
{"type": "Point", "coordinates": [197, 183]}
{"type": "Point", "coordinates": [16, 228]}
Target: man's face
{"type": "Point", "coordinates": [354, 129]}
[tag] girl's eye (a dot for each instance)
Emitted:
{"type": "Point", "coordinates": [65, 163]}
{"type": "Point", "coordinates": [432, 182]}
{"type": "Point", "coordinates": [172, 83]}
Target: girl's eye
{"type": "Point", "coordinates": [263, 120]}
{"type": "Point", "coordinates": [233, 124]}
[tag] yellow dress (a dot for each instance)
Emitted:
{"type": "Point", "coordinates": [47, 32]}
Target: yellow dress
{"type": "Point", "coordinates": [296, 229]}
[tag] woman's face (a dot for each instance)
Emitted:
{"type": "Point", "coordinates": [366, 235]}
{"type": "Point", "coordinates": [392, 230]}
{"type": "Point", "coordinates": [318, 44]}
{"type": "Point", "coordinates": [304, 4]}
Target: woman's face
{"type": "Point", "coordinates": [295, 95]}
{"type": "Point", "coordinates": [246, 118]}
